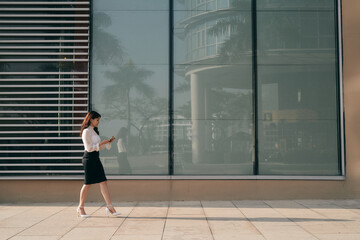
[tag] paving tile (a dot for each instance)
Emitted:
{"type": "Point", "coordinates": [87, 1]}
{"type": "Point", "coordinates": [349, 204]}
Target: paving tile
{"type": "Point", "coordinates": [35, 238]}
{"type": "Point", "coordinates": [338, 236]}
{"type": "Point", "coordinates": [139, 227]}
{"type": "Point", "coordinates": [6, 233]}
{"type": "Point", "coordinates": [149, 211]}
{"type": "Point", "coordinates": [8, 211]}
{"type": "Point", "coordinates": [226, 220]}
{"type": "Point", "coordinates": [96, 233]}
{"type": "Point", "coordinates": [270, 223]}
{"type": "Point", "coordinates": [185, 208]}
{"type": "Point", "coordinates": [336, 220]}
{"type": "Point", "coordinates": [60, 223]}
{"type": "Point", "coordinates": [30, 217]}
{"type": "Point", "coordinates": [137, 237]}
{"type": "Point", "coordinates": [237, 237]}
{"type": "Point", "coordinates": [215, 220]}
{"type": "Point", "coordinates": [187, 227]}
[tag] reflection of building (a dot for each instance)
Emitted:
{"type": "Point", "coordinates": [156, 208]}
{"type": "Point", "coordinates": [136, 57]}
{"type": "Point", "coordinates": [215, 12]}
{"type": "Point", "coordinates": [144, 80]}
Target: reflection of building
{"type": "Point", "coordinates": [204, 38]}
{"type": "Point", "coordinates": [159, 128]}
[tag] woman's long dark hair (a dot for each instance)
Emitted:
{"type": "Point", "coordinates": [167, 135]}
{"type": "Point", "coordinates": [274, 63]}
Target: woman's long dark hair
{"type": "Point", "coordinates": [86, 122]}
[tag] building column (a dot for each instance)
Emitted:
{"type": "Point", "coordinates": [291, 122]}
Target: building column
{"type": "Point", "coordinates": [198, 117]}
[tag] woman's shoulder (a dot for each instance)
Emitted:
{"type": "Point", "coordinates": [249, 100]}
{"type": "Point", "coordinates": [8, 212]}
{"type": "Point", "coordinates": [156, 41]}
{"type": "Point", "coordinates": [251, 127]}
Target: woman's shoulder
{"type": "Point", "coordinates": [86, 130]}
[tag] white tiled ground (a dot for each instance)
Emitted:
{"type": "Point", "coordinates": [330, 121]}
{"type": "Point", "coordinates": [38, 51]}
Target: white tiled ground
{"type": "Point", "coordinates": [213, 220]}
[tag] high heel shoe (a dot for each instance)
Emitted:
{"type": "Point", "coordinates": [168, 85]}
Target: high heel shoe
{"type": "Point", "coordinates": [108, 211]}
{"type": "Point", "coordinates": [79, 213]}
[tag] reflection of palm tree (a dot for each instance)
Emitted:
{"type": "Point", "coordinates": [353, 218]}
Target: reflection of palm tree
{"type": "Point", "coordinates": [239, 41]}
{"type": "Point", "coordinates": [127, 77]}
{"type": "Point", "coordinates": [147, 109]}
{"type": "Point", "coordinates": [106, 46]}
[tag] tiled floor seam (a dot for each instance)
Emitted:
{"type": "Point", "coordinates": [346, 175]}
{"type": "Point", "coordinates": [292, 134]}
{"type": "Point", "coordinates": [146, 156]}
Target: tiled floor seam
{"type": "Point", "coordinates": [248, 220]}
{"type": "Point", "coordinates": [40, 221]}
{"type": "Point", "coordinates": [78, 223]}
{"type": "Point", "coordinates": [207, 221]}
{"type": "Point", "coordinates": [293, 221]}
{"type": "Point", "coordinates": [167, 214]}
{"type": "Point", "coordinates": [349, 209]}
{"type": "Point", "coordinates": [311, 209]}
{"type": "Point", "coordinates": [124, 220]}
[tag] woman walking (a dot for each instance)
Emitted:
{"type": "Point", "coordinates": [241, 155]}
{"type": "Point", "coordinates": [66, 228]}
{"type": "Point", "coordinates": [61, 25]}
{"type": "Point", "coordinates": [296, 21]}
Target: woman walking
{"type": "Point", "coordinates": [124, 166]}
{"type": "Point", "coordinates": [94, 171]}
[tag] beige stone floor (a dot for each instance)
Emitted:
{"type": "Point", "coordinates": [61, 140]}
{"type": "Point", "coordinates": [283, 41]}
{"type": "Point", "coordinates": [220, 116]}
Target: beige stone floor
{"type": "Point", "coordinates": [213, 220]}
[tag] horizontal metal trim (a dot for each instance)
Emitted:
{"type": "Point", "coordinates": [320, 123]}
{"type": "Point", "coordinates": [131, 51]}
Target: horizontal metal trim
{"type": "Point", "coordinates": [35, 86]}
{"type": "Point", "coordinates": [44, 171]}
{"type": "Point", "coordinates": [41, 144]}
{"type": "Point", "coordinates": [43, 73]}
{"type": "Point", "coordinates": [144, 177]}
{"type": "Point", "coordinates": [26, 132]}
{"type": "Point", "coordinates": [44, 22]}
{"type": "Point", "coordinates": [44, 47]}
{"type": "Point", "coordinates": [43, 99]}
{"type": "Point", "coordinates": [41, 118]}
{"type": "Point", "coordinates": [258, 177]}
{"type": "Point", "coordinates": [44, 3]}
{"type": "Point", "coordinates": [43, 105]}
{"type": "Point", "coordinates": [42, 79]}
{"type": "Point", "coordinates": [39, 125]}
{"type": "Point", "coordinates": [43, 111]}
{"type": "Point", "coordinates": [44, 28]}
{"type": "Point", "coordinates": [50, 158]}
{"type": "Point", "coordinates": [45, 15]}
{"type": "Point", "coordinates": [44, 53]}
{"type": "Point", "coordinates": [33, 138]}
{"type": "Point", "coordinates": [45, 60]}
{"type": "Point", "coordinates": [40, 164]}
{"type": "Point", "coordinates": [44, 34]}
{"type": "Point", "coordinates": [44, 9]}
{"type": "Point", "coordinates": [44, 41]}
{"type": "Point", "coordinates": [14, 93]}
{"type": "Point", "coordinates": [40, 151]}
{"type": "Point", "coordinates": [139, 177]}
{"type": "Point", "coordinates": [73, 177]}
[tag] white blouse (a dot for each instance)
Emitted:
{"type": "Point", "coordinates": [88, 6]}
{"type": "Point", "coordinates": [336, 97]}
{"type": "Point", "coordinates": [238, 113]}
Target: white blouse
{"type": "Point", "coordinates": [121, 145]}
{"type": "Point", "coordinates": [92, 140]}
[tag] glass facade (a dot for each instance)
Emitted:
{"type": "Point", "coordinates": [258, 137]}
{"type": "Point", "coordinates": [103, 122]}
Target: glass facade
{"type": "Point", "coordinates": [233, 87]}
{"type": "Point", "coordinates": [130, 83]}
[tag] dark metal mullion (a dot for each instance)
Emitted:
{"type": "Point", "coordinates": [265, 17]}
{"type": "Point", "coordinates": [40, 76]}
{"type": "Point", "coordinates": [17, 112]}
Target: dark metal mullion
{"type": "Point", "coordinates": [338, 82]}
{"type": "Point", "coordinates": [171, 88]}
{"type": "Point", "coordinates": [254, 85]}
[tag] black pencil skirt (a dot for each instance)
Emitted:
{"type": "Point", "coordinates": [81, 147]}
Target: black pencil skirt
{"type": "Point", "coordinates": [94, 170]}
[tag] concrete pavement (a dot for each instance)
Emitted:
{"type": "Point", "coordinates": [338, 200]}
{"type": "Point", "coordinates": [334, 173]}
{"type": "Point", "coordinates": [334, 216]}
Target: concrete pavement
{"type": "Point", "coordinates": [203, 220]}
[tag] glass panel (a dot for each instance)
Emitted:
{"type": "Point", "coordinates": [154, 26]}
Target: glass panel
{"type": "Point", "coordinates": [130, 84]}
{"type": "Point", "coordinates": [297, 88]}
{"type": "Point", "coordinates": [213, 131]}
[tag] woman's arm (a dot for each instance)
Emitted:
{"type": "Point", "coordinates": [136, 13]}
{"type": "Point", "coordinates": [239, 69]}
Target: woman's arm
{"type": "Point", "coordinates": [106, 144]}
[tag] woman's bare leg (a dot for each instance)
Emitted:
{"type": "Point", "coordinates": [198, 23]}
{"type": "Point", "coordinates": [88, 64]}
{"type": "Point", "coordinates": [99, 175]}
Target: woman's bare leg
{"type": "Point", "coordinates": [106, 194]}
{"type": "Point", "coordinates": [83, 194]}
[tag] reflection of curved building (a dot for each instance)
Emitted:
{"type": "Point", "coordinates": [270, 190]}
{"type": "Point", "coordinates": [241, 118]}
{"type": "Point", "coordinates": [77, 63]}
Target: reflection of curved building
{"type": "Point", "coordinates": [208, 28]}
{"type": "Point", "coordinates": [201, 19]}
